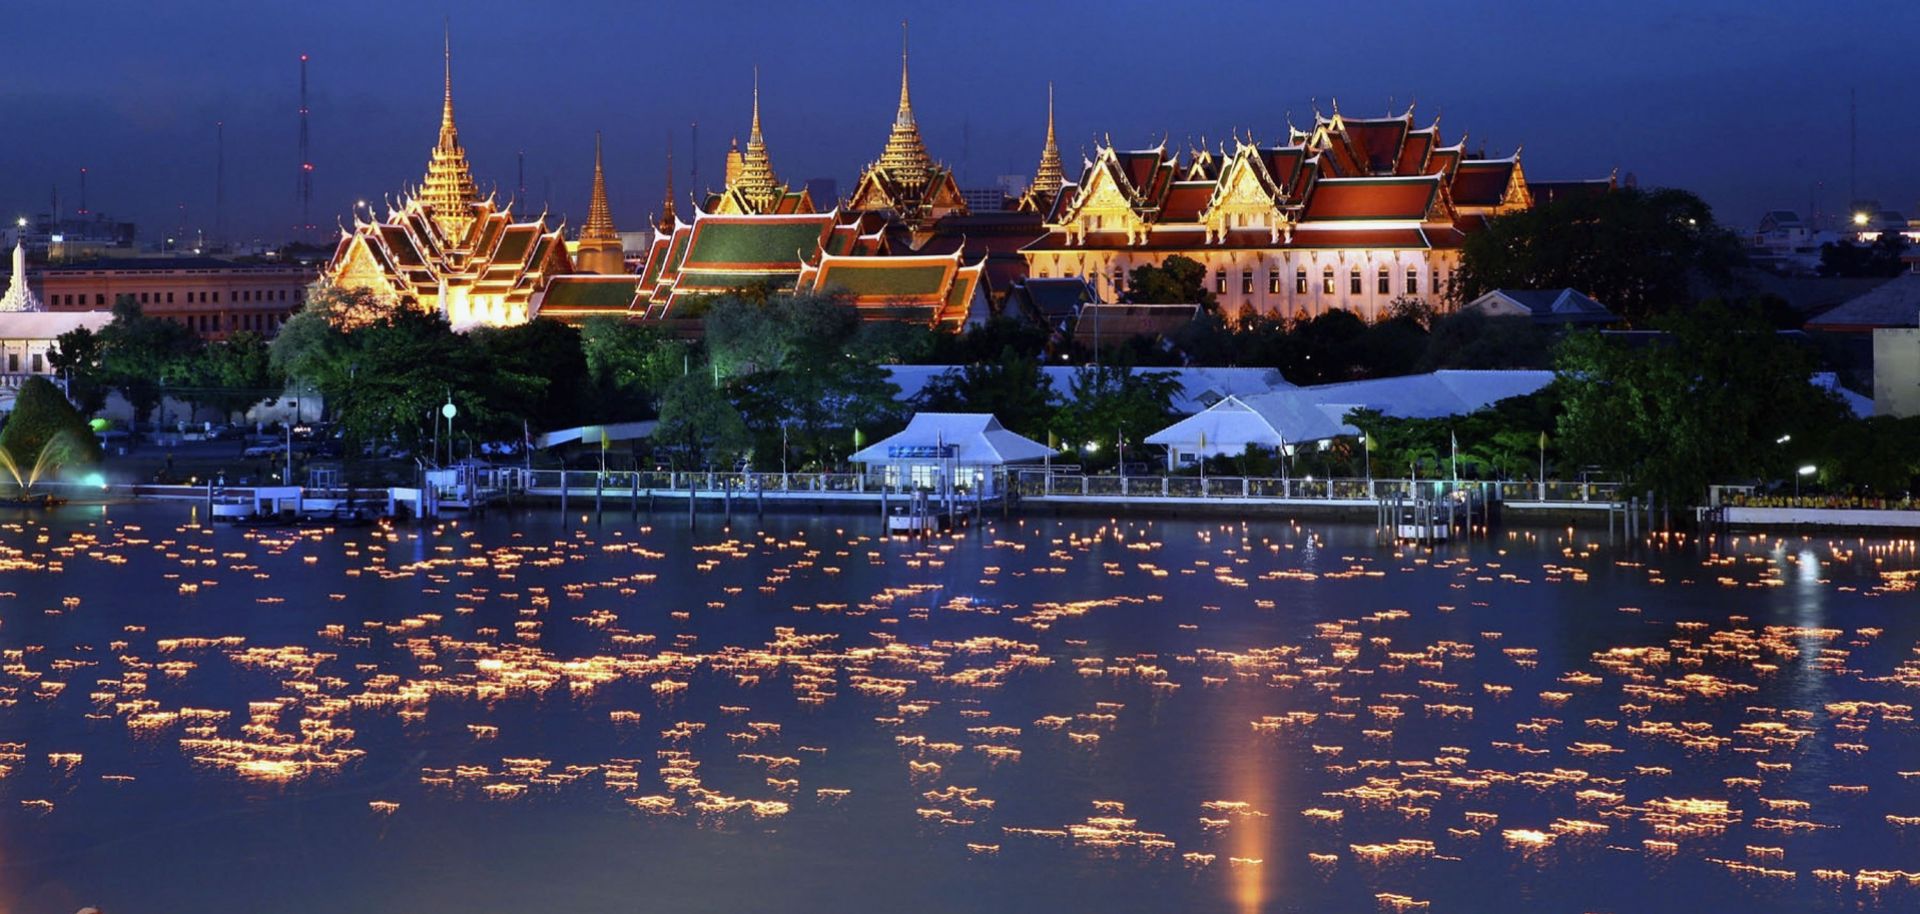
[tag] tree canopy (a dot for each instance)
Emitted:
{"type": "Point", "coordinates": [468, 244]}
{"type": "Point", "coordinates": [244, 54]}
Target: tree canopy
{"type": "Point", "coordinates": [1636, 251]}
{"type": "Point", "coordinates": [1710, 402]}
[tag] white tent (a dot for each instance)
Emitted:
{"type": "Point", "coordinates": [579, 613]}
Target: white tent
{"type": "Point", "coordinates": [1303, 414]}
{"type": "Point", "coordinates": [956, 449]}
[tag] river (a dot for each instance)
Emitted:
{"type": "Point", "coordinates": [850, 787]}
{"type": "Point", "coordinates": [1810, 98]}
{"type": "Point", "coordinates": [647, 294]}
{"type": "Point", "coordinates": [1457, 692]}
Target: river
{"type": "Point", "coordinates": [792, 713]}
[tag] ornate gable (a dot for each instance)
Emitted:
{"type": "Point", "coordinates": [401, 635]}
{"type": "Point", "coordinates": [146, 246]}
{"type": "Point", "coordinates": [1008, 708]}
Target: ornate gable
{"type": "Point", "coordinates": [1245, 198]}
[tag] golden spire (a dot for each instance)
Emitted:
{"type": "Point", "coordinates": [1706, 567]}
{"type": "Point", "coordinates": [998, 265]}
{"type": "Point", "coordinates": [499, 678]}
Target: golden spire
{"type": "Point", "coordinates": [756, 182]}
{"type": "Point", "coordinates": [599, 225]}
{"type": "Point", "coordinates": [449, 187]}
{"type": "Point", "coordinates": [1048, 178]}
{"type": "Point", "coordinates": [667, 215]}
{"type": "Point", "coordinates": [905, 157]}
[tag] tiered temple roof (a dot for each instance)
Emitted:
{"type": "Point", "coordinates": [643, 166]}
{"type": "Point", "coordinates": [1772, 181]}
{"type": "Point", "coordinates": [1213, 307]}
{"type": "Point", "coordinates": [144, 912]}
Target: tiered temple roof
{"type": "Point", "coordinates": [812, 252]}
{"type": "Point", "coordinates": [932, 289]}
{"type": "Point", "coordinates": [752, 187]}
{"type": "Point", "coordinates": [905, 182]}
{"type": "Point", "coordinates": [444, 249]}
{"type": "Point", "coordinates": [1347, 183]}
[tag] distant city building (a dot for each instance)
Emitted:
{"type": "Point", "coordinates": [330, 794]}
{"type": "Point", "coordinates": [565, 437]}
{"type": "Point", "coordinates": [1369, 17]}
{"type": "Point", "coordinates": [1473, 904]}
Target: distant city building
{"type": "Point", "coordinates": [214, 298]}
{"type": "Point", "coordinates": [985, 199]}
{"type": "Point", "coordinates": [75, 238]}
{"type": "Point", "coordinates": [1353, 214]}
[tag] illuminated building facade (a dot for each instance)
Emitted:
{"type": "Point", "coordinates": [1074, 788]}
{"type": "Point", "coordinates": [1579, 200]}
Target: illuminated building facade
{"type": "Point", "coordinates": [1353, 214]}
{"type": "Point", "coordinates": [446, 250]}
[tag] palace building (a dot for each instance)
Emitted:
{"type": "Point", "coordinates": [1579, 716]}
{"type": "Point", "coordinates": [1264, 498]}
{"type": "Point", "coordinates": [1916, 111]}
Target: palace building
{"type": "Point", "coordinates": [1353, 214]}
{"type": "Point", "coordinates": [446, 250]}
{"type": "Point", "coordinates": [905, 183]}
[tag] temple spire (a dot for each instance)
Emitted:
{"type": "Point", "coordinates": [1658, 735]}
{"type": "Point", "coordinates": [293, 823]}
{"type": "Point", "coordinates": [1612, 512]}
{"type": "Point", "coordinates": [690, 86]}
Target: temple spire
{"type": "Point", "coordinates": [1048, 178]}
{"type": "Point", "coordinates": [906, 102]}
{"type": "Point", "coordinates": [905, 157]}
{"type": "Point", "coordinates": [449, 186]}
{"type": "Point", "coordinates": [19, 296]}
{"type": "Point", "coordinates": [667, 215]}
{"type": "Point", "coordinates": [446, 56]}
{"type": "Point", "coordinates": [599, 225]}
{"type": "Point", "coordinates": [756, 181]}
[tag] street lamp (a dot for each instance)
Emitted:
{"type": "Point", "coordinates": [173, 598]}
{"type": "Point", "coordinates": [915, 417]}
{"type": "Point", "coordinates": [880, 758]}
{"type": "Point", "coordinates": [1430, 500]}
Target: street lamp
{"type": "Point", "coordinates": [1804, 471]}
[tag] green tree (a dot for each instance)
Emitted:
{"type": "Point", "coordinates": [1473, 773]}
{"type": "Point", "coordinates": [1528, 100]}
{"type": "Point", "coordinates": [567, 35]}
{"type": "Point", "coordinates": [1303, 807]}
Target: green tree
{"type": "Point", "coordinates": [537, 372]}
{"type": "Point", "coordinates": [699, 425]}
{"type": "Point", "coordinates": [632, 363]}
{"type": "Point", "coordinates": [1111, 403]}
{"type": "Point", "coordinates": [139, 354]}
{"type": "Point", "coordinates": [1706, 403]}
{"type": "Point", "coordinates": [1638, 252]}
{"type": "Point", "coordinates": [76, 356]}
{"type": "Point", "coordinates": [1470, 339]}
{"type": "Point", "coordinates": [1176, 280]}
{"type": "Point", "coordinates": [232, 375]}
{"type": "Point", "coordinates": [1013, 389]}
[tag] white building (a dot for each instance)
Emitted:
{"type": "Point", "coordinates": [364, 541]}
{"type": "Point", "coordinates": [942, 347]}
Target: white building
{"type": "Point", "coordinates": [949, 451]}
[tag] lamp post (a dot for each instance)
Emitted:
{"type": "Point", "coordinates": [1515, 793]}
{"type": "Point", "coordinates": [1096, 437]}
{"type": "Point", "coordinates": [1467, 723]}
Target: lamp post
{"type": "Point", "coordinates": [1804, 471]}
{"type": "Point", "coordinates": [449, 411]}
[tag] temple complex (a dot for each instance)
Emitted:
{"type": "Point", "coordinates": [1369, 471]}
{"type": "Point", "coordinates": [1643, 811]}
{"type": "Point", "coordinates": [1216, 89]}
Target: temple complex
{"type": "Point", "coordinates": [752, 187]}
{"type": "Point", "coordinates": [1353, 214]}
{"type": "Point", "coordinates": [444, 249]}
{"type": "Point", "coordinates": [905, 183]}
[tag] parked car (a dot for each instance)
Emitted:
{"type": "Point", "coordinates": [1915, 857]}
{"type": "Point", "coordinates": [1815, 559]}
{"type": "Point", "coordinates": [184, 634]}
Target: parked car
{"type": "Point", "coordinates": [264, 449]}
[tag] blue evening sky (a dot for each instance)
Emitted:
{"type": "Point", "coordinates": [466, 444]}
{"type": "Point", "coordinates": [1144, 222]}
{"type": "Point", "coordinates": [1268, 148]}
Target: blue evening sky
{"type": "Point", "coordinates": [1745, 103]}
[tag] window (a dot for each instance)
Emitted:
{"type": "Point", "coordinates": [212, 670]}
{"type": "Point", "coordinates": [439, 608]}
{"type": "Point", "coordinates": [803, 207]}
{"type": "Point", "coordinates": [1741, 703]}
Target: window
{"type": "Point", "coordinates": [1436, 287]}
{"type": "Point", "coordinates": [1246, 282]}
{"type": "Point", "coordinates": [169, 298]}
{"type": "Point", "coordinates": [13, 361]}
{"type": "Point", "coordinates": [1219, 282]}
{"type": "Point", "coordinates": [1353, 282]}
{"type": "Point", "coordinates": [1300, 282]}
{"type": "Point", "coordinates": [1119, 280]}
{"type": "Point", "coordinates": [1273, 282]}
{"type": "Point", "coordinates": [1413, 282]}
{"type": "Point", "coordinates": [1326, 281]}
{"type": "Point", "coordinates": [39, 363]}
{"type": "Point", "coordinates": [1043, 274]}
{"type": "Point", "coordinates": [1386, 282]}
{"type": "Point", "coordinates": [216, 298]}
{"type": "Point", "coordinates": [143, 298]}
{"type": "Point", "coordinates": [99, 298]}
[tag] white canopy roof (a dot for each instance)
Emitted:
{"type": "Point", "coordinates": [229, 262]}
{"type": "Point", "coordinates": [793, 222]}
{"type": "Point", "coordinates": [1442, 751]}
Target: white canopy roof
{"type": "Point", "coordinates": [1317, 413]}
{"type": "Point", "coordinates": [1199, 387]}
{"type": "Point", "coordinates": [976, 439]}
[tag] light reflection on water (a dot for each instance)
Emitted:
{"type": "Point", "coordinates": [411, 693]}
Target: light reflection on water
{"type": "Point", "coordinates": [1048, 714]}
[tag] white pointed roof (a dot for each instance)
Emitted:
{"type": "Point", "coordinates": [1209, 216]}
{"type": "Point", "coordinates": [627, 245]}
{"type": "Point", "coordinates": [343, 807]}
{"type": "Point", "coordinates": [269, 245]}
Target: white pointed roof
{"type": "Point", "coordinates": [977, 439]}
